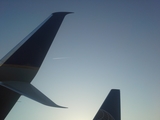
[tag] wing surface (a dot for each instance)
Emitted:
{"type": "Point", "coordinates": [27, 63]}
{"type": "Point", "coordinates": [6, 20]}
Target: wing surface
{"type": "Point", "coordinates": [21, 64]}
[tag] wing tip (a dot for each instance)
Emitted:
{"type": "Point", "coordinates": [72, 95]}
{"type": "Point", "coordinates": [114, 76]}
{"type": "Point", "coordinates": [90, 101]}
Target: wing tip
{"type": "Point", "coordinates": [62, 107]}
{"type": "Point", "coordinates": [62, 13]}
{"type": "Point", "coordinates": [115, 89]}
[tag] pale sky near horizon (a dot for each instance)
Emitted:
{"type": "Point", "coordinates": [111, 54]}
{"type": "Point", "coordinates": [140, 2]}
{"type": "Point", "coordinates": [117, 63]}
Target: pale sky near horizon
{"type": "Point", "coordinates": [104, 44]}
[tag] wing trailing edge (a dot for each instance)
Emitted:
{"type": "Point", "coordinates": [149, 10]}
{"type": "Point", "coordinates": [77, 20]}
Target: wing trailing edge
{"type": "Point", "coordinates": [28, 90]}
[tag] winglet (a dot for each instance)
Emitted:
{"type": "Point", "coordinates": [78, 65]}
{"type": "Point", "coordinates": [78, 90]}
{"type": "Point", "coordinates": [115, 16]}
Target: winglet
{"type": "Point", "coordinates": [36, 44]}
{"type": "Point", "coordinates": [28, 90]}
{"type": "Point", "coordinates": [110, 109]}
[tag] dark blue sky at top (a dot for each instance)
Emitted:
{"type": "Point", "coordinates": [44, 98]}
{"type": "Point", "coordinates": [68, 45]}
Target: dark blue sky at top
{"type": "Point", "coordinates": [103, 45]}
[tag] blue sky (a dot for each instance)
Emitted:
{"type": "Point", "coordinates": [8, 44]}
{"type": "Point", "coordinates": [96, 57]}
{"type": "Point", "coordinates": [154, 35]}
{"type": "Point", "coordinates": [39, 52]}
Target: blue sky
{"type": "Point", "coordinates": [105, 44]}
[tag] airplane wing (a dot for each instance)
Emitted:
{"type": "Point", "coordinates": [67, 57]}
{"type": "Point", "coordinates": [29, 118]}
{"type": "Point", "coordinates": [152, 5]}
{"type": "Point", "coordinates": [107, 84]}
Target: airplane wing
{"type": "Point", "coordinates": [110, 109]}
{"type": "Point", "coordinates": [21, 64]}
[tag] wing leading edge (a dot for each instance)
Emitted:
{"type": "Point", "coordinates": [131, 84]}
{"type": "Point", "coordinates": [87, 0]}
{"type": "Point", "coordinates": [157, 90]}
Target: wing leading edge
{"type": "Point", "coordinates": [21, 64]}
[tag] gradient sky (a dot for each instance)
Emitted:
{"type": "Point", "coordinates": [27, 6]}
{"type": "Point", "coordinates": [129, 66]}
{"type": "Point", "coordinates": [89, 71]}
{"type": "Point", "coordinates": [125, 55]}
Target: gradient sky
{"type": "Point", "coordinates": [105, 44]}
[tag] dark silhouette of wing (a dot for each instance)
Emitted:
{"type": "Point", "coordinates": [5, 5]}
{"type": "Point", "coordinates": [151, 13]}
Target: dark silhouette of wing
{"type": "Point", "coordinates": [110, 109]}
{"type": "Point", "coordinates": [20, 65]}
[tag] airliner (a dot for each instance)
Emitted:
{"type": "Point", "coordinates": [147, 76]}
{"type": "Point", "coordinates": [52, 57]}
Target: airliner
{"type": "Point", "coordinates": [19, 67]}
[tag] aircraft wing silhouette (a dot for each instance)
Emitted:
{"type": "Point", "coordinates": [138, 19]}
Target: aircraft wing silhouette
{"type": "Point", "coordinates": [21, 64]}
{"type": "Point", "coordinates": [111, 107]}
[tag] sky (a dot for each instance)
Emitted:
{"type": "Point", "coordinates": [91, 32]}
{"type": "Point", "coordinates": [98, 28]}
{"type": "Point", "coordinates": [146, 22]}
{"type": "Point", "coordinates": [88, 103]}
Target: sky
{"type": "Point", "coordinates": [103, 45]}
